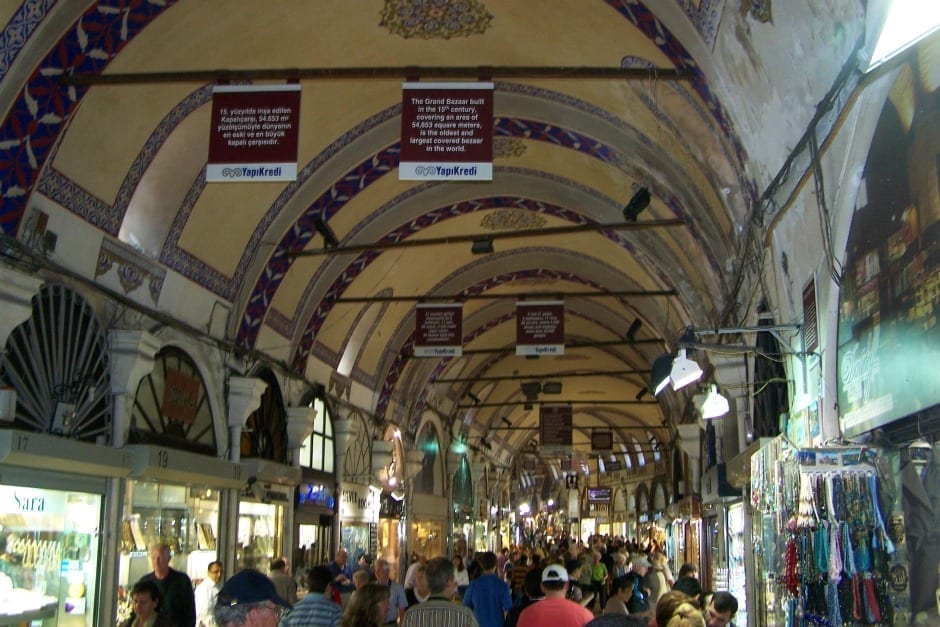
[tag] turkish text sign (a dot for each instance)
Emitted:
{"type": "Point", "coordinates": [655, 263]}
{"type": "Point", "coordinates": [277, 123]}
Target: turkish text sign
{"type": "Point", "coordinates": [439, 330]}
{"type": "Point", "coordinates": [540, 328]}
{"type": "Point", "coordinates": [254, 131]}
{"type": "Point", "coordinates": [555, 427]}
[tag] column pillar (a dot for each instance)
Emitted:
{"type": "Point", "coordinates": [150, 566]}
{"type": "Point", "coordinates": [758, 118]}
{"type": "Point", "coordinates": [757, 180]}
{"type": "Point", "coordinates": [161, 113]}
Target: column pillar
{"type": "Point", "coordinates": [244, 397]}
{"type": "Point", "coordinates": [343, 431]}
{"type": "Point", "coordinates": [300, 421]}
{"type": "Point", "coordinates": [132, 357]}
{"type": "Point", "coordinates": [690, 439]}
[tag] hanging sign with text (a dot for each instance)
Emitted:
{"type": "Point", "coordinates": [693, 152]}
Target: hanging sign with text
{"type": "Point", "coordinates": [254, 133]}
{"type": "Point", "coordinates": [555, 428]}
{"type": "Point", "coordinates": [446, 132]}
{"type": "Point", "coordinates": [540, 328]}
{"type": "Point", "coordinates": [439, 330]}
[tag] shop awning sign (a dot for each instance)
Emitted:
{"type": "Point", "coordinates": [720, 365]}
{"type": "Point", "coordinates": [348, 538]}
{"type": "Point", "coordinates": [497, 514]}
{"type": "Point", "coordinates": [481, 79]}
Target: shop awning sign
{"type": "Point", "coordinates": [540, 328]}
{"type": "Point", "coordinates": [446, 132]}
{"type": "Point", "coordinates": [439, 330]}
{"type": "Point", "coordinates": [253, 136]}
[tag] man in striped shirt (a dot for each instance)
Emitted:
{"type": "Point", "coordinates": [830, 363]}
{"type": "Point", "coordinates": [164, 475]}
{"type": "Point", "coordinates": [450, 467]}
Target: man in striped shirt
{"type": "Point", "coordinates": [318, 607]}
{"type": "Point", "coordinates": [440, 609]}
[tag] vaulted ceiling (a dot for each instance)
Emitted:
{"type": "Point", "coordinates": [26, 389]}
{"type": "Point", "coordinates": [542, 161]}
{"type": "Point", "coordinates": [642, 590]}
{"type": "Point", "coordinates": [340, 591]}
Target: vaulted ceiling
{"type": "Point", "coordinates": [696, 117]}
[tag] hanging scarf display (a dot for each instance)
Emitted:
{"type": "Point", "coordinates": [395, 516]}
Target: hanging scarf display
{"type": "Point", "coordinates": [831, 536]}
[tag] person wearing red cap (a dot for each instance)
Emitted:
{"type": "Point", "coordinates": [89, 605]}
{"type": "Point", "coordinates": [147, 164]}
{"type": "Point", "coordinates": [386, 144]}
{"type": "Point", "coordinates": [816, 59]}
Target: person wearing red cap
{"type": "Point", "coordinates": [555, 609]}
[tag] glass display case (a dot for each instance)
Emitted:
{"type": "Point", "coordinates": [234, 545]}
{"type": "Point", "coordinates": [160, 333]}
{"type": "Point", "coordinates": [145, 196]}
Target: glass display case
{"type": "Point", "coordinates": [356, 538]}
{"type": "Point", "coordinates": [390, 544]}
{"type": "Point", "coordinates": [428, 537]}
{"type": "Point", "coordinates": [185, 518]}
{"type": "Point", "coordinates": [49, 555]}
{"type": "Point", "coordinates": [737, 579]}
{"type": "Point", "coordinates": [260, 533]}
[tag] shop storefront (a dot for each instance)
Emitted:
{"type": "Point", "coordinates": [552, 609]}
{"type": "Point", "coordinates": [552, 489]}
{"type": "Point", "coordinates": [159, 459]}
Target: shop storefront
{"type": "Point", "coordinates": [315, 511]}
{"type": "Point", "coordinates": [176, 505]}
{"type": "Point", "coordinates": [262, 533]}
{"type": "Point", "coordinates": [263, 506]}
{"type": "Point", "coordinates": [358, 520]}
{"type": "Point", "coordinates": [391, 530]}
{"type": "Point", "coordinates": [817, 510]}
{"type": "Point", "coordinates": [313, 517]}
{"type": "Point", "coordinates": [427, 526]}
{"type": "Point", "coordinates": [52, 509]}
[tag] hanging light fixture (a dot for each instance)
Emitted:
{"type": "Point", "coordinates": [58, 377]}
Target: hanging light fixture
{"type": "Point", "coordinates": [715, 404]}
{"type": "Point", "coordinates": [659, 379]}
{"type": "Point", "coordinates": [684, 371]}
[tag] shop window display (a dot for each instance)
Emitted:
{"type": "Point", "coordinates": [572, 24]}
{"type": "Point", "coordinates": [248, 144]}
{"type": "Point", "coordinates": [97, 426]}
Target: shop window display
{"type": "Point", "coordinates": [48, 556]}
{"type": "Point", "coordinates": [185, 518]}
{"type": "Point", "coordinates": [259, 534]}
{"type": "Point", "coordinates": [356, 539]}
{"type": "Point", "coordinates": [428, 538]}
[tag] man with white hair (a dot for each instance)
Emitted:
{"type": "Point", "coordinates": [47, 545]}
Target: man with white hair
{"type": "Point", "coordinates": [397, 599]}
{"type": "Point", "coordinates": [249, 599]}
{"type": "Point", "coordinates": [176, 590]}
{"type": "Point", "coordinates": [639, 603]}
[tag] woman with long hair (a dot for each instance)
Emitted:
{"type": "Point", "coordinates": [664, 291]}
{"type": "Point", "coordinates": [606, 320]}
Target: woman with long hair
{"type": "Point", "coordinates": [367, 608]}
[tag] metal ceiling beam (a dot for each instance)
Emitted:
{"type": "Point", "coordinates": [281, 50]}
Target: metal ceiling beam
{"type": "Point", "coordinates": [526, 377]}
{"type": "Point", "coordinates": [483, 351]}
{"type": "Point", "coordinates": [559, 402]}
{"type": "Point", "coordinates": [618, 428]}
{"type": "Point", "coordinates": [490, 296]}
{"type": "Point", "coordinates": [470, 238]}
{"type": "Point", "coordinates": [403, 72]}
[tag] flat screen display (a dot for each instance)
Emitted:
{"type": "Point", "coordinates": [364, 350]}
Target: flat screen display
{"type": "Point", "coordinates": [598, 495]}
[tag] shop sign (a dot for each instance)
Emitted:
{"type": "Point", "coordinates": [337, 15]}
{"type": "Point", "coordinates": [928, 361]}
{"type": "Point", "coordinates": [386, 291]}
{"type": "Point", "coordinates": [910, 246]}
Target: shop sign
{"type": "Point", "coordinates": [180, 397]}
{"type": "Point", "coordinates": [315, 494]}
{"type": "Point", "coordinates": [18, 500]}
{"type": "Point", "coordinates": [355, 502]}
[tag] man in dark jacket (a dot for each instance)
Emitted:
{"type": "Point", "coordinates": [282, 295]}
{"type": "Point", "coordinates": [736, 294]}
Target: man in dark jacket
{"type": "Point", "coordinates": [178, 603]}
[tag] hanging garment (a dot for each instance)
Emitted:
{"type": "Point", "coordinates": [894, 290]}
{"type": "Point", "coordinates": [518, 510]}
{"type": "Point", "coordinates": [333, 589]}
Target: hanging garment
{"type": "Point", "coordinates": [921, 501]}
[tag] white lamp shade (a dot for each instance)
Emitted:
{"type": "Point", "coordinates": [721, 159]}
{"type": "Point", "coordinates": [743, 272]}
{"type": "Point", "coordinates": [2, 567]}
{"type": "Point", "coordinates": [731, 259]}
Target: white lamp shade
{"type": "Point", "coordinates": [715, 405]}
{"type": "Point", "coordinates": [684, 371]}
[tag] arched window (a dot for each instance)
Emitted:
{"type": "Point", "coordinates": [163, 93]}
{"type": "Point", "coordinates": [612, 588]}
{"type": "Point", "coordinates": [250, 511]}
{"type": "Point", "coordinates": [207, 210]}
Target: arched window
{"type": "Point", "coordinates": [318, 452]}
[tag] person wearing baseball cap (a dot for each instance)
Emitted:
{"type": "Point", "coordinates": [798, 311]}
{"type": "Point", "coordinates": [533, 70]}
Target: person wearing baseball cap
{"type": "Point", "coordinates": [249, 599]}
{"type": "Point", "coordinates": [639, 602]}
{"type": "Point", "coordinates": [555, 609]}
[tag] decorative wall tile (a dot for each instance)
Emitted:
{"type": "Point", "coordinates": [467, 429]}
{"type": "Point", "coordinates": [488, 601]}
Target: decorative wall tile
{"type": "Point", "coordinates": [133, 268]}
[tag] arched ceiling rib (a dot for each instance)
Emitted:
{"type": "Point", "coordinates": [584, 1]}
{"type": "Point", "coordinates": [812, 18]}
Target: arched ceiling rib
{"type": "Point", "coordinates": [128, 162]}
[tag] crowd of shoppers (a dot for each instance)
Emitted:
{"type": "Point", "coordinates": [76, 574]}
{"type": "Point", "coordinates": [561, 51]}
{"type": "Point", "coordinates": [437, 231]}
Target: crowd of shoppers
{"type": "Point", "coordinates": [560, 585]}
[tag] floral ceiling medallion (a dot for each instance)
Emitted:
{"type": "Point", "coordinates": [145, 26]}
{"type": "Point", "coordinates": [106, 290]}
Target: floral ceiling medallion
{"type": "Point", "coordinates": [435, 19]}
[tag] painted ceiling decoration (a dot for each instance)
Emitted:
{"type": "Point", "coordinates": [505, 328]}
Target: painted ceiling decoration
{"type": "Point", "coordinates": [123, 166]}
